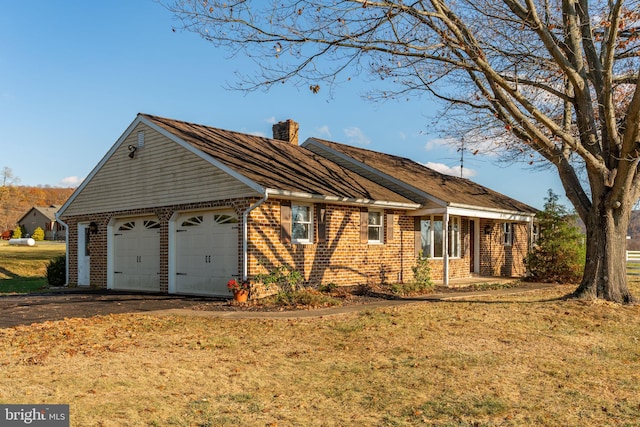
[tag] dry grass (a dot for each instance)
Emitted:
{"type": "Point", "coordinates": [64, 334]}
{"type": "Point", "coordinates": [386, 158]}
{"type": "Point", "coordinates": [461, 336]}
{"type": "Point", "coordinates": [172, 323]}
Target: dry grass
{"type": "Point", "coordinates": [530, 359]}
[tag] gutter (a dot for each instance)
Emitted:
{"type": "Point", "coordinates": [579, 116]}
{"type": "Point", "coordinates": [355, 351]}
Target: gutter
{"type": "Point", "coordinates": [245, 234]}
{"type": "Point", "coordinates": [66, 242]}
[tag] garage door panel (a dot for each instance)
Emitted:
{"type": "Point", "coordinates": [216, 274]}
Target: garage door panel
{"type": "Point", "coordinates": [206, 252]}
{"type": "Point", "coordinates": [137, 254]}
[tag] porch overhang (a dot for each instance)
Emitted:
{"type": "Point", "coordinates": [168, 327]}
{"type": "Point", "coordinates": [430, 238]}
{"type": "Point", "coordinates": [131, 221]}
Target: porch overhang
{"type": "Point", "coordinates": [476, 212]}
{"type": "Point", "coordinates": [472, 212]}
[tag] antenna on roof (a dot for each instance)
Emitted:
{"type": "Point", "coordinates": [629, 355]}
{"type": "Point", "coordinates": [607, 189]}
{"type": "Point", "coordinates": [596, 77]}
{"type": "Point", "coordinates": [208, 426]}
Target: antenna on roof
{"type": "Point", "coordinates": [461, 157]}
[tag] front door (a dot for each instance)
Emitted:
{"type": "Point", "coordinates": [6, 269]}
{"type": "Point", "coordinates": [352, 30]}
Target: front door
{"type": "Point", "coordinates": [84, 256]}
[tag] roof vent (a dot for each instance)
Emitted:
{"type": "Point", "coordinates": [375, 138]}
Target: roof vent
{"type": "Point", "coordinates": [141, 139]}
{"type": "Point", "coordinates": [286, 131]}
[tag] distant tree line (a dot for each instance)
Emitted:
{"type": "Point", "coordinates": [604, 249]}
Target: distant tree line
{"type": "Point", "coordinates": [16, 200]}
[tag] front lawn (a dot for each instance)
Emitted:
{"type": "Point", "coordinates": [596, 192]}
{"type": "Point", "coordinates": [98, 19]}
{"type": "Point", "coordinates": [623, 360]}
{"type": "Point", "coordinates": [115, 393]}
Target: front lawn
{"type": "Point", "coordinates": [513, 360]}
{"type": "Point", "coordinates": [23, 268]}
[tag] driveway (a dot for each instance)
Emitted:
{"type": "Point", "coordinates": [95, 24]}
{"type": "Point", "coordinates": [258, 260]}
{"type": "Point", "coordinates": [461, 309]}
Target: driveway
{"type": "Point", "coordinates": [27, 309]}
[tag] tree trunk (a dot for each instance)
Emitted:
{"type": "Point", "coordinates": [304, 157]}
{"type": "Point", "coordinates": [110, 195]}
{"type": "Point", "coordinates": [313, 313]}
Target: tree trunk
{"type": "Point", "coordinates": [605, 272]}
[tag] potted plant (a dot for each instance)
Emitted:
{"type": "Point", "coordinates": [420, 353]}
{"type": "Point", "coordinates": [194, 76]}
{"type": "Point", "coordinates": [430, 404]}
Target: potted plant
{"type": "Point", "coordinates": [240, 290]}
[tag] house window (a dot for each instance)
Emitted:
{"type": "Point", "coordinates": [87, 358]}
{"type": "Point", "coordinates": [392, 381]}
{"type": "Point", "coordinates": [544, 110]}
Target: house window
{"type": "Point", "coordinates": [432, 235]}
{"type": "Point", "coordinates": [302, 225]}
{"type": "Point", "coordinates": [375, 227]}
{"type": "Point", "coordinates": [536, 232]}
{"type": "Point", "coordinates": [454, 236]}
{"type": "Point", "coordinates": [507, 233]}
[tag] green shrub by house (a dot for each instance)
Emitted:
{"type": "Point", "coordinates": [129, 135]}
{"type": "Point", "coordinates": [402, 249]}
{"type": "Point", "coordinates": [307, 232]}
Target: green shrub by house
{"type": "Point", "coordinates": [421, 282]}
{"type": "Point", "coordinates": [56, 271]}
{"type": "Point", "coordinates": [559, 254]}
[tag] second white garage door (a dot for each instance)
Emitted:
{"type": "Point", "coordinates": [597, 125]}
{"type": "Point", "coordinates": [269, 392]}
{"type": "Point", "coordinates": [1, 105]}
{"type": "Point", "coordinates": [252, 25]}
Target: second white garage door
{"type": "Point", "coordinates": [206, 252]}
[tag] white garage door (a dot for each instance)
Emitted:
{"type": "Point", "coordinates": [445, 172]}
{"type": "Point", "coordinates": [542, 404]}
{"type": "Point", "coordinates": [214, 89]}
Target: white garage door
{"type": "Point", "coordinates": [137, 254]}
{"type": "Point", "coordinates": [206, 252]}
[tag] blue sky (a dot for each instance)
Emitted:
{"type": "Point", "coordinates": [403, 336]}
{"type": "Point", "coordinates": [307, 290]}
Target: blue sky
{"type": "Point", "coordinates": [74, 74]}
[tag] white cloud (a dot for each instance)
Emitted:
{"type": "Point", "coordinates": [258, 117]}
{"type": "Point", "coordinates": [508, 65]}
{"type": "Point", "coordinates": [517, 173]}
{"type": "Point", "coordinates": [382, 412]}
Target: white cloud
{"type": "Point", "coordinates": [324, 131]}
{"type": "Point", "coordinates": [448, 170]}
{"type": "Point", "coordinates": [432, 144]}
{"type": "Point", "coordinates": [402, 135]}
{"type": "Point", "coordinates": [271, 120]}
{"type": "Point", "coordinates": [356, 136]}
{"type": "Point", "coordinates": [71, 181]}
{"type": "Point", "coordinates": [258, 133]}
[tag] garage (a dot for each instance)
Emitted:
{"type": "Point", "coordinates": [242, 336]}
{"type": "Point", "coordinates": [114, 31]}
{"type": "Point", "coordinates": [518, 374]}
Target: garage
{"type": "Point", "coordinates": [136, 251]}
{"type": "Point", "coordinates": [206, 252]}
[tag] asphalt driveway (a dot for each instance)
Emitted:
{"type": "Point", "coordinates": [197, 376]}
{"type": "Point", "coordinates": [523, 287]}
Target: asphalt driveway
{"type": "Point", "coordinates": [27, 309]}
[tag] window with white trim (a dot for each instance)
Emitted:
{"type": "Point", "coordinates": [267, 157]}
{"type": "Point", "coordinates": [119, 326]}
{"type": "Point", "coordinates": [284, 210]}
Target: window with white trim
{"type": "Point", "coordinates": [375, 230]}
{"type": "Point", "coordinates": [432, 235]}
{"type": "Point", "coordinates": [535, 232]}
{"type": "Point", "coordinates": [301, 223]}
{"type": "Point", "coordinates": [454, 237]}
{"type": "Point", "coordinates": [507, 233]}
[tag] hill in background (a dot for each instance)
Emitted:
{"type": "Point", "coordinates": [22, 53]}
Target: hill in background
{"type": "Point", "coordinates": [16, 200]}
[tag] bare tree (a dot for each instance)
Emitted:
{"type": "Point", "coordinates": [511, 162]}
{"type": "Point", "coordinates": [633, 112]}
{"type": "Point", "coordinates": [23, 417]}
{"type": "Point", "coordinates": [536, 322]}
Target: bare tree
{"type": "Point", "coordinates": [555, 80]}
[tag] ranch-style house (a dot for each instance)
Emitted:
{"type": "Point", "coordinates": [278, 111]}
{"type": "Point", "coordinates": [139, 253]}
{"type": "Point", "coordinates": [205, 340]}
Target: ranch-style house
{"type": "Point", "coordinates": [178, 207]}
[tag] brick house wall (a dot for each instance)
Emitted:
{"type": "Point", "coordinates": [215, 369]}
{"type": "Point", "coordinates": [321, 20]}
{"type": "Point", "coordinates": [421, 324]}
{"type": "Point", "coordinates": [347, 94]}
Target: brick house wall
{"type": "Point", "coordinates": [341, 258]}
{"type": "Point", "coordinates": [498, 259]}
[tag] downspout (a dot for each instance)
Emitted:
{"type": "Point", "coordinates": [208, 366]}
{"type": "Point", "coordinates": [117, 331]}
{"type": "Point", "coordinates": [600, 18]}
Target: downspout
{"type": "Point", "coordinates": [66, 242]}
{"type": "Point", "coordinates": [445, 249]}
{"type": "Point", "coordinates": [245, 235]}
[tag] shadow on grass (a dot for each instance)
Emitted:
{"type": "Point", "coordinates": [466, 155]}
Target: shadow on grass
{"type": "Point", "coordinates": [8, 273]}
{"type": "Point", "coordinates": [23, 285]}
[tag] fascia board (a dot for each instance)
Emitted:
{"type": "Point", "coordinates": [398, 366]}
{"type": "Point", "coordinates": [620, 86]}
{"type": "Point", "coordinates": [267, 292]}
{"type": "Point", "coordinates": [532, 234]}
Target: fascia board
{"type": "Point", "coordinates": [489, 213]}
{"type": "Point", "coordinates": [300, 196]}
{"type": "Point", "coordinates": [313, 141]}
{"type": "Point", "coordinates": [474, 212]}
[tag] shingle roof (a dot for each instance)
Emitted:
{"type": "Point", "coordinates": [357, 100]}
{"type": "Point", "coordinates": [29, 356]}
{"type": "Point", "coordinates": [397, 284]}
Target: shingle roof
{"type": "Point", "coordinates": [277, 164]}
{"type": "Point", "coordinates": [281, 165]}
{"type": "Point", "coordinates": [48, 211]}
{"type": "Point", "coordinates": [449, 189]}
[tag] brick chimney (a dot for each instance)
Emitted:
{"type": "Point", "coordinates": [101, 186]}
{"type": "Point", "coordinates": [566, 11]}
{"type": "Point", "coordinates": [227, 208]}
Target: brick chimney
{"type": "Point", "coordinates": [286, 131]}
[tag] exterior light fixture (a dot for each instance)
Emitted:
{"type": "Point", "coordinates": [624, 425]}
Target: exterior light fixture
{"type": "Point", "coordinates": [132, 151]}
{"type": "Point", "coordinates": [93, 228]}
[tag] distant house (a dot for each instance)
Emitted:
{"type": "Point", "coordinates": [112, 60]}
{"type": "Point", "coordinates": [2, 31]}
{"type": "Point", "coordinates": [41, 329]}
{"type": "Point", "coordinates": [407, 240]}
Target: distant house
{"type": "Point", "coordinates": [179, 207]}
{"type": "Point", "coordinates": [45, 218]}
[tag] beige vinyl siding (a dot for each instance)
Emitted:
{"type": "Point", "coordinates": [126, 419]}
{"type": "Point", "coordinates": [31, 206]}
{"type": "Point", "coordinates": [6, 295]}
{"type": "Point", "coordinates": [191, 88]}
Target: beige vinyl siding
{"type": "Point", "coordinates": [161, 173]}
